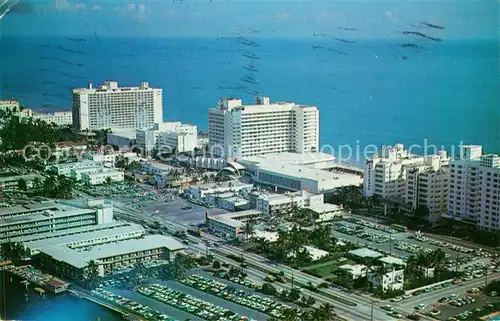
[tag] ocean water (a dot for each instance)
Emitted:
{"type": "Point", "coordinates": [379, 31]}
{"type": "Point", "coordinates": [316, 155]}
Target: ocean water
{"type": "Point", "coordinates": [367, 92]}
{"type": "Point", "coordinates": [27, 305]}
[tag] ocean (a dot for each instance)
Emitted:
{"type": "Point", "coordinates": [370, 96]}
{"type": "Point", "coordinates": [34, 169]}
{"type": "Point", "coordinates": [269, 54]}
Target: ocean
{"type": "Point", "coordinates": [368, 92]}
{"type": "Point", "coordinates": [27, 305]}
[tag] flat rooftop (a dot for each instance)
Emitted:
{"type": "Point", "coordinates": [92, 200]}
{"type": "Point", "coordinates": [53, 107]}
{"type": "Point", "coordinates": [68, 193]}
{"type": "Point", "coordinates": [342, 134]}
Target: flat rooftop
{"type": "Point", "coordinates": [91, 235]}
{"type": "Point", "coordinates": [38, 212]}
{"type": "Point", "coordinates": [391, 260]}
{"type": "Point", "coordinates": [324, 208]}
{"type": "Point", "coordinates": [234, 219]}
{"type": "Point", "coordinates": [71, 231]}
{"type": "Point", "coordinates": [234, 183]}
{"type": "Point", "coordinates": [366, 253]}
{"type": "Point", "coordinates": [81, 259]}
{"type": "Point", "coordinates": [307, 173]}
{"type": "Point", "coordinates": [293, 158]}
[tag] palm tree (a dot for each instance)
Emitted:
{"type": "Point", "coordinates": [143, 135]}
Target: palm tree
{"type": "Point", "coordinates": [325, 312]}
{"type": "Point", "coordinates": [92, 274]}
{"type": "Point", "coordinates": [321, 237]}
{"type": "Point", "coordinates": [247, 231]}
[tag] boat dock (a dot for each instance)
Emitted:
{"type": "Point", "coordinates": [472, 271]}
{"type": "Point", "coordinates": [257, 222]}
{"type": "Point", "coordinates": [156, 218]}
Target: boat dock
{"type": "Point", "coordinates": [39, 279]}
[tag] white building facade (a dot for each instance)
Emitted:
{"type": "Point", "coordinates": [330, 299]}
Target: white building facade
{"type": "Point", "coordinates": [168, 137]}
{"type": "Point", "coordinates": [237, 130]}
{"type": "Point", "coordinates": [60, 118]}
{"type": "Point", "coordinates": [474, 190]}
{"type": "Point", "coordinates": [417, 180]}
{"type": "Point", "coordinates": [118, 108]}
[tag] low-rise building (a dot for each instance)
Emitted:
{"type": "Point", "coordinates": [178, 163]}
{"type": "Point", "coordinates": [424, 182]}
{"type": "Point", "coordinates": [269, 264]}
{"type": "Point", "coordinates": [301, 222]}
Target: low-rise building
{"type": "Point", "coordinates": [207, 162]}
{"type": "Point", "coordinates": [314, 253]}
{"type": "Point", "coordinates": [50, 217]}
{"type": "Point", "coordinates": [201, 191]}
{"type": "Point", "coordinates": [60, 118]}
{"type": "Point", "coordinates": [66, 169]}
{"type": "Point", "coordinates": [389, 275]}
{"type": "Point", "coordinates": [231, 224]}
{"type": "Point", "coordinates": [110, 256]}
{"type": "Point", "coordinates": [101, 175]}
{"type": "Point", "coordinates": [80, 241]}
{"type": "Point", "coordinates": [66, 150]}
{"type": "Point", "coordinates": [365, 254]}
{"type": "Point", "coordinates": [354, 271]}
{"type": "Point", "coordinates": [156, 167]}
{"type": "Point", "coordinates": [272, 203]}
{"type": "Point", "coordinates": [122, 139]}
{"type": "Point", "coordinates": [326, 212]}
{"type": "Point", "coordinates": [168, 137]}
{"type": "Point", "coordinates": [296, 177]}
{"type": "Point", "coordinates": [12, 182]}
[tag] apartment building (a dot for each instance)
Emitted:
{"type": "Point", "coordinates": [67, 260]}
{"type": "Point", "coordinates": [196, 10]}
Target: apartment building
{"type": "Point", "coordinates": [117, 108]}
{"type": "Point", "coordinates": [474, 187]}
{"type": "Point", "coordinates": [168, 137]}
{"type": "Point", "coordinates": [237, 130]}
{"type": "Point", "coordinates": [60, 118]}
{"type": "Point", "coordinates": [101, 175]}
{"type": "Point", "coordinates": [417, 180]}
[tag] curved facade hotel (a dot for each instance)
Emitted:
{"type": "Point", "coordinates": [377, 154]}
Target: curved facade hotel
{"type": "Point", "coordinates": [118, 108]}
{"type": "Point", "coordinates": [237, 130]}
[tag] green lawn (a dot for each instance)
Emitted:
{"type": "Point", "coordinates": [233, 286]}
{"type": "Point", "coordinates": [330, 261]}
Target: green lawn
{"type": "Point", "coordinates": [327, 268]}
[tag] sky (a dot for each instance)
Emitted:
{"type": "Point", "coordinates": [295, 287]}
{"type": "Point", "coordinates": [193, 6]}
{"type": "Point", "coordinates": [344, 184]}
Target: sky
{"type": "Point", "coordinates": [278, 18]}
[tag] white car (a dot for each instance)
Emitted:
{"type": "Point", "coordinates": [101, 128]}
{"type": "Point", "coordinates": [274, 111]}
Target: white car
{"type": "Point", "coordinates": [396, 299]}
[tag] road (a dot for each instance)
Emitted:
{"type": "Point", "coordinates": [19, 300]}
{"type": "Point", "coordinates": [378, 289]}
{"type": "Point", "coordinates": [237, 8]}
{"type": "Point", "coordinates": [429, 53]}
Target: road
{"type": "Point", "coordinates": [258, 265]}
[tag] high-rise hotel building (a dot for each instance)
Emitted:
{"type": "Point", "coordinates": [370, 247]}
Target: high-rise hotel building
{"type": "Point", "coordinates": [237, 130]}
{"type": "Point", "coordinates": [117, 108]}
{"type": "Point", "coordinates": [475, 187]}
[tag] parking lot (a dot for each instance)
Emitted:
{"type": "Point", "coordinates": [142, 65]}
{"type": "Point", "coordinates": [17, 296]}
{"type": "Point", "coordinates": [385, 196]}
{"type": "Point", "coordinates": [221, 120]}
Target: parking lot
{"type": "Point", "coordinates": [381, 238]}
{"type": "Point", "coordinates": [460, 304]}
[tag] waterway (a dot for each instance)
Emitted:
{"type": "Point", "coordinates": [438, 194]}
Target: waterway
{"type": "Point", "coordinates": [19, 303]}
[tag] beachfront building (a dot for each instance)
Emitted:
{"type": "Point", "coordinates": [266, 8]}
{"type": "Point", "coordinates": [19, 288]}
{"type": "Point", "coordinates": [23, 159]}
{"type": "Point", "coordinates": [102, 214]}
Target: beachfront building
{"type": "Point", "coordinates": [237, 130]}
{"type": "Point", "coordinates": [231, 224]}
{"type": "Point", "coordinates": [427, 185]}
{"type": "Point", "coordinates": [60, 118]}
{"type": "Point", "coordinates": [416, 180]}
{"type": "Point", "coordinates": [50, 217]}
{"type": "Point", "coordinates": [111, 256]}
{"type": "Point", "coordinates": [116, 108]}
{"type": "Point", "coordinates": [168, 137]}
{"type": "Point", "coordinates": [474, 190]}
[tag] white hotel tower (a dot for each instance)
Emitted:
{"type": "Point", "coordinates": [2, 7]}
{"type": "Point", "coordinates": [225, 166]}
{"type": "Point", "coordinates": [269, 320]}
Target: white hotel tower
{"type": "Point", "coordinates": [237, 130]}
{"type": "Point", "coordinates": [118, 108]}
{"type": "Point", "coordinates": [475, 187]}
